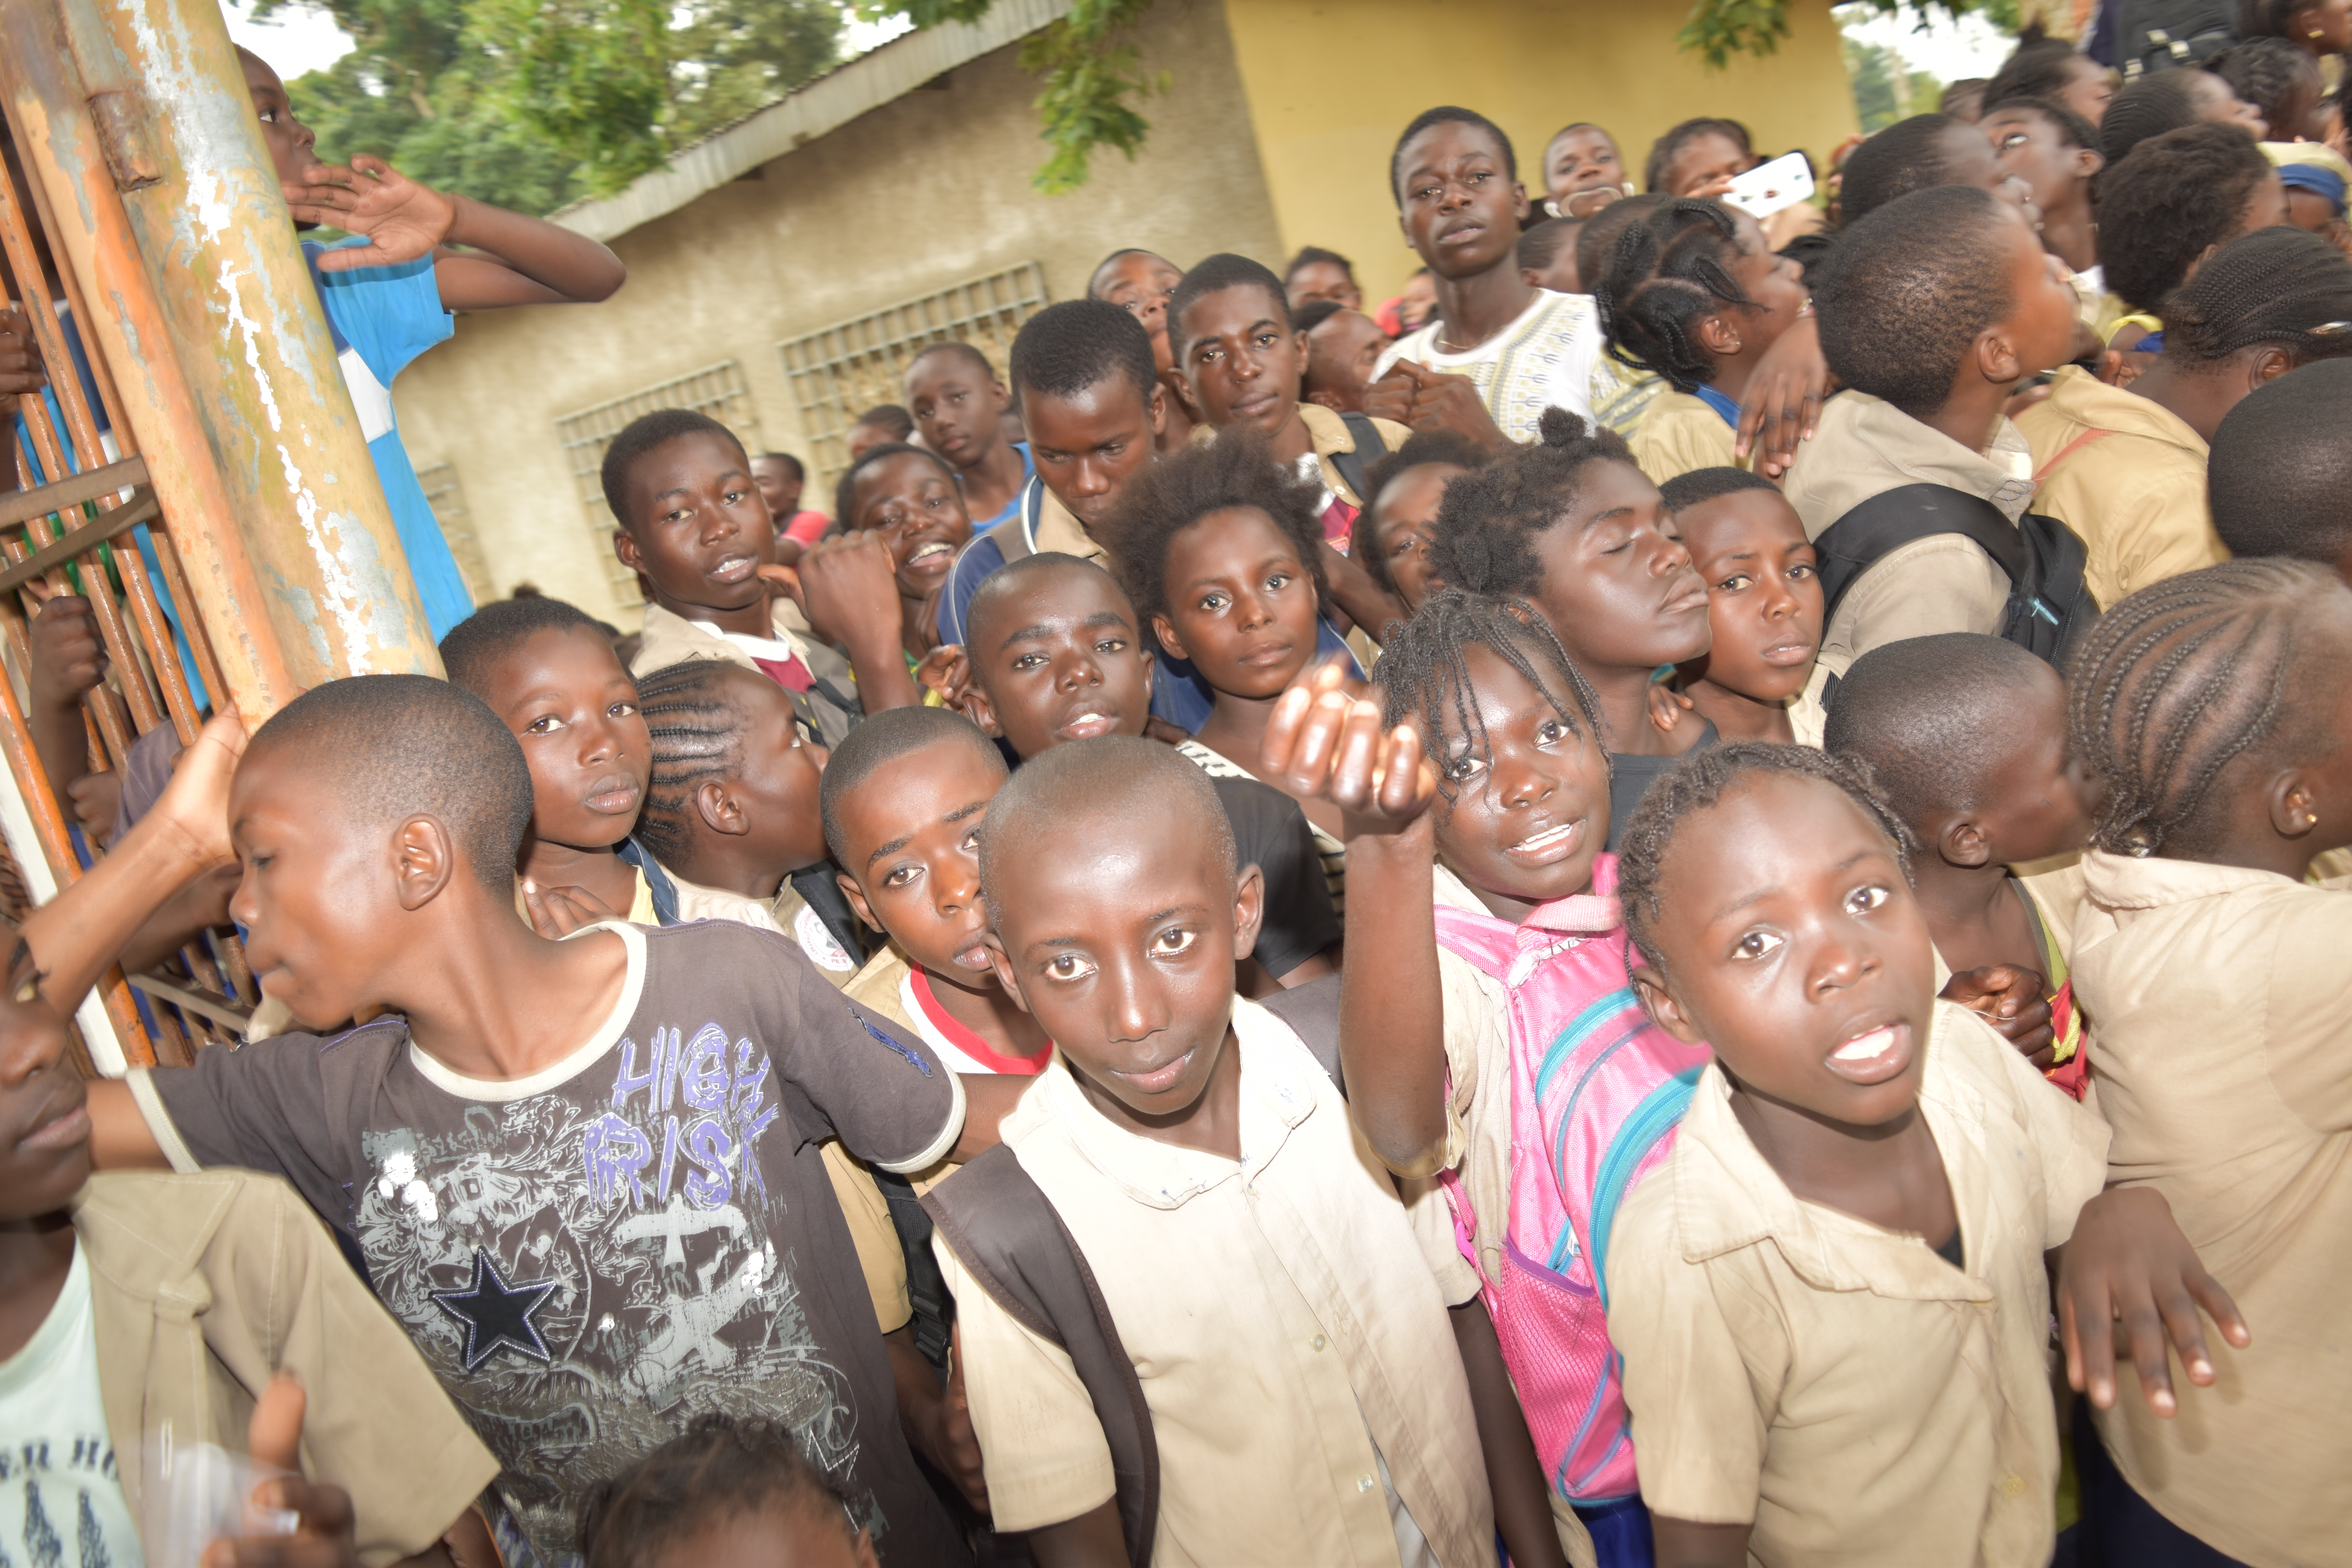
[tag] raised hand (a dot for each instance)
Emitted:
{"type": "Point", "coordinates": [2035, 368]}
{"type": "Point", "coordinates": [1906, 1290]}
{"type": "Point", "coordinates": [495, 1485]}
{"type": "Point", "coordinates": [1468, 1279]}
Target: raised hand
{"type": "Point", "coordinates": [557, 913]}
{"type": "Point", "coordinates": [2129, 1269]}
{"type": "Point", "coordinates": [1328, 739]}
{"type": "Point", "coordinates": [1782, 405]}
{"type": "Point", "coordinates": [2010, 997]}
{"type": "Point", "coordinates": [400, 219]}
{"type": "Point", "coordinates": [849, 588]}
{"type": "Point", "coordinates": [194, 804]}
{"type": "Point", "coordinates": [68, 656]}
{"type": "Point", "coordinates": [322, 1534]}
{"type": "Point", "coordinates": [20, 357]}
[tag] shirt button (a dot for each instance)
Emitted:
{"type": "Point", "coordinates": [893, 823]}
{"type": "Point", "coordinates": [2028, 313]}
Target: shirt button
{"type": "Point", "coordinates": [1319, 1342]}
{"type": "Point", "coordinates": [2012, 1486]}
{"type": "Point", "coordinates": [1363, 1483]}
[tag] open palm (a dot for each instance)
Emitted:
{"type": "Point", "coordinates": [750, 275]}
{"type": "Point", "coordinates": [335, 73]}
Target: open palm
{"type": "Point", "coordinates": [400, 219]}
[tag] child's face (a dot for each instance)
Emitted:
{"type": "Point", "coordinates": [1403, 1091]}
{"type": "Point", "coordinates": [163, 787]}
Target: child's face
{"type": "Point", "coordinates": [317, 898]}
{"type": "Point", "coordinates": [1559, 274]}
{"type": "Point", "coordinates": [863, 438]}
{"type": "Point", "coordinates": [1531, 803]}
{"type": "Point", "coordinates": [44, 1126]}
{"type": "Point", "coordinates": [2034, 803]}
{"type": "Point", "coordinates": [1419, 301]}
{"type": "Point", "coordinates": [1579, 160]}
{"type": "Point", "coordinates": [1790, 941]}
{"type": "Point", "coordinates": [1141, 284]}
{"type": "Point", "coordinates": [2041, 323]}
{"type": "Point", "coordinates": [1120, 938]}
{"type": "Point", "coordinates": [955, 406]}
{"type": "Point", "coordinates": [787, 1532]}
{"type": "Point", "coordinates": [1763, 596]}
{"type": "Point", "coordinates": [2266, 207]}
{"type": "Point", "coordinates": [1059, 661]}
{"type": "Point", "coordinates": [2089, 89]}
{"type": "Point", "coordinates": [780, 825]}
{"type": "Point", "coordinates": [1403, 522]}
{"type": "Point", "coordinates": [1703, 159]}
{"type": "Point", "coordinates": [1776, 282]}
{"type": "Point", "coordinates": [1340, 354]}
{"type": "Point", "coordinates": [780, 487]}
{"type": "Point", "coordinates": [1324, 280]}
{"type": "Point", "coordinates": [1618, 586]}
{"type": "Point", "coordinates": [1241, 360]}
{"type": "Point", "coordinates": [1241, 605]}
{"type": "Point", "coordinates": [910, 859]}
{"type": "Point", "coordinates": [2214, 100]}
{"type": "Point", "coordinates": [2308, 209]}
{"type": "Point", "coordinates": [574, 709]}
{"type": "Point", "coordinates": [1461, 208]}
{"type": "Point", "coordinates": [2027, 145]}
{"type": "Point", "coordinates": [696, 524]}
{"type": "Point", "coordinates": [919, 513]}
{"type": "Point", "coordinates": [291, 143]}
{"type": "Point", "coordinates": [1087, 447]}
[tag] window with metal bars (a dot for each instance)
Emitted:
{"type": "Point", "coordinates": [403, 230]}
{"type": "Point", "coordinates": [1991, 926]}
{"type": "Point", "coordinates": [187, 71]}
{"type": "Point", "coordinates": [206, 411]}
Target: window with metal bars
{"type": "Point", "coordinates": [839, 371]}
{"type": "Point", "coordinates": [717, 391]}
{"type": "Point", "coordinates": [447, 499]}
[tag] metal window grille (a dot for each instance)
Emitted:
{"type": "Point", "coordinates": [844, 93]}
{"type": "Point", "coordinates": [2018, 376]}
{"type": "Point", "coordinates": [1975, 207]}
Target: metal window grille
{"type": "Point", "coordinates": [717, 391]}
{"type": "Point", "coordinates": [839, 371]}
{"type": "Point", "coordinates": [447, 499]}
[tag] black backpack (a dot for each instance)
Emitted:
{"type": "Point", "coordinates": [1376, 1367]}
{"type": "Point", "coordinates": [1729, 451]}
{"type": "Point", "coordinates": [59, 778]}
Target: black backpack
{"type": "Point", "coordinates": [1356, 466]}
{"type": "Point", "coordinates": [2048, 605]}
{"type": "Point", "coordinates": [2158, 35]}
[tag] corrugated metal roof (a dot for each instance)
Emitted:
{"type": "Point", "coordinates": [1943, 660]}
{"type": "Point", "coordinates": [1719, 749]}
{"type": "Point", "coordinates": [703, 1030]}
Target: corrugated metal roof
{"type": "Point", "coordinates": [829, 102]}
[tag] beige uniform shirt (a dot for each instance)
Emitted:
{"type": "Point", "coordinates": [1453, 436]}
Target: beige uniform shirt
{"type": "Point", "coordinates": [1679, 434]}
{"type": "Point", "coordinates": [671, 639]}
{"type": "Point", "coordinates": [2221, 1009]}
{"type": "Point", "coordinates": [1329, 433]}
{"type": "Point", "coordinates": [1840, 1388]}
{"type": "Point", "coordinates": [1942, 583]}
{"type": "Point", "coordinates": [2136, 492]}
{"type": "Point", "coordinates": [1307, 1399]}
{"type": "Point", "coordinates": [787, 914]}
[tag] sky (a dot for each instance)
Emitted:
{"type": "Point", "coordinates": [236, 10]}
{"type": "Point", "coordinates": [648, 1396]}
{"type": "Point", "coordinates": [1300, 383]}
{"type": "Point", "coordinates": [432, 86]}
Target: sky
{"type": "Point", "coordinates": [1948, 51]}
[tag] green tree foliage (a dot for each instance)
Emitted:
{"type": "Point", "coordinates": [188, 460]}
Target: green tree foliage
{"type": "Point", "coordinates": [1884, 91]}
{"type": "Point", "coordinates": [1722, 29]}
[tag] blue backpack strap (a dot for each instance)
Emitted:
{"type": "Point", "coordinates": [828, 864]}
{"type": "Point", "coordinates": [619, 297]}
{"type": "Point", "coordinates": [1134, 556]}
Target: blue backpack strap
{"type": "Point", "coordinates": [1658, 1114]}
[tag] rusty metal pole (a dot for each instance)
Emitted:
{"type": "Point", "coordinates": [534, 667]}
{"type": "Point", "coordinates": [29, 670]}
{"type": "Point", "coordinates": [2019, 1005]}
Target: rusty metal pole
{"type": "Point", "coordinates": [133, 117]}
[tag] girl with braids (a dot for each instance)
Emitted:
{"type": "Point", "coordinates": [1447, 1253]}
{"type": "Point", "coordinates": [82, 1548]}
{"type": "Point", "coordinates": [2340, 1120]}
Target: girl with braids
{"type": "Point", "coordinates": [2218, 708]}
{"type": "Point", "coordinates": [727, 1488]}
{"type": "Point", "coordinates": [1488, 1035]}
{"type": "Point", "coordinates": [1693, 293]}
{"type": "Point", "coordinates": [1573, 527]}
{"type": "Point", "coordinates": [2124, 467]}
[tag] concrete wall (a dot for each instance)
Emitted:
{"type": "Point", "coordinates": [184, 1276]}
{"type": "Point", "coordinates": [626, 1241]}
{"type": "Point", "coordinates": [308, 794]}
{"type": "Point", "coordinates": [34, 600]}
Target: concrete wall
{"type": "Point", "coordinates": [925, 191]}
{"type": "Point", "coordinates": [1332, 82]}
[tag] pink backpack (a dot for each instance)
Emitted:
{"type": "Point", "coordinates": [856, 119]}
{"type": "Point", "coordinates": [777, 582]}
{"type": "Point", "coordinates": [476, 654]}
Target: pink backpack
{"type": "Point", "coordinates": [1597, 1090]}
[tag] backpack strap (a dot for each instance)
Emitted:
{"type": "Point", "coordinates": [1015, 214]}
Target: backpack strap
{"type": "Point", "coordinates": [1006, 1234]}
{"type": "Point", "coordinates": [2068, 450]}
{"type": "Point", "coordinates": [1312, 1011]}
{"type": "Point", "coordinates": [1371, 446]}
{"type": "Point", "coordinates": [1660, 1113]}
{"type": "Point", "coordinates": [1891, 518]}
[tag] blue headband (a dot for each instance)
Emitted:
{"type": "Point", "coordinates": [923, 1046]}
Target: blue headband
{"type": "Point", "coordinates": [2314, 178]}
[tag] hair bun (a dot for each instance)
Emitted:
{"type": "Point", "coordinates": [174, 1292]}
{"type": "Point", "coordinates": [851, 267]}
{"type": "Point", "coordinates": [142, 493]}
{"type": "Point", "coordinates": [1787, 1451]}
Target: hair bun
{"type": "Point", "coordinates": [1559, 427]}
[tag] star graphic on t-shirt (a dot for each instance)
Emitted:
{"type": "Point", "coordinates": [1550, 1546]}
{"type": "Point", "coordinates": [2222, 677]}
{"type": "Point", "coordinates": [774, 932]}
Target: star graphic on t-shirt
{"type": "Point", "coordinates": [495, 1315]}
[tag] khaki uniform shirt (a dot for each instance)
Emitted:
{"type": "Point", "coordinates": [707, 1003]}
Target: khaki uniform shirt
{"type": "Point", "coordinates": [1678, 434]}
{"type": "Point", "coordinates": [203, 1287]}
{"type": "Point", "coordinates": [1328, 431]}
{"type": "Point", "coordinates": [787, 914]}
{"type": "Point", "coordinates": [670, 638]}
{"type": "Point", "coordinates": [1942, 583]}
{"type": "Point", "coordinates": [1840, 1388]}
{"type": "Point", "coordinates": [1306, 1398]}
{"type": "Point", "coordinates": [2136, 492]}
{"type": "Point", "coordinates": [2219, 1001]}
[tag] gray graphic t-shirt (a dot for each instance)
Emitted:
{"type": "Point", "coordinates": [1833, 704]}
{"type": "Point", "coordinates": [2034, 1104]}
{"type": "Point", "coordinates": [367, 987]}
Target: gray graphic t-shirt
{"type": "Point", "coordinates": [591, 1257]}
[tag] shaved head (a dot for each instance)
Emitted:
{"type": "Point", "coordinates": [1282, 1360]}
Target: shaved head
{"type": "Point", "coordinates": [981, 619]}
{"type": "Point", "coordinates": [1932, 716]}
{"type": "Point", "coordinates": [1087, 796]}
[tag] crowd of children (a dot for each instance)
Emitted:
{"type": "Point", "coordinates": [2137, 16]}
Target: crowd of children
{"type": "Point", "coordinates": [1679, 900]}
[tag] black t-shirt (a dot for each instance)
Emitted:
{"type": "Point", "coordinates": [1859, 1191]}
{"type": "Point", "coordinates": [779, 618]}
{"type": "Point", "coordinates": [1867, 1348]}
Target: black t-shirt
{"type": "Point", "coordinates": [1270, 832]}
{"type": "Point", "coordinates": [590, 1257]}
{"type": "Point", "coordinates": [1630, 778]}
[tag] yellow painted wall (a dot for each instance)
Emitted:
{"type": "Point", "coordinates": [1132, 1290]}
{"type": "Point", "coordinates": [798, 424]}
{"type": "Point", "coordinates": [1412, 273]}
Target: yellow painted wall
{"type": "Point", "coordinates": [1332, 82]}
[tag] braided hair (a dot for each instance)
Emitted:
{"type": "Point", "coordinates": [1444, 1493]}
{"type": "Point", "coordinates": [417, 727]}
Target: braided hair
{"type": "Point", "coordinates": [2176, 682]}
{"type": "Point", "coordinates": [2282, 287]}
{"type": "Point", "coordinates": [2177, 194]}
{"type": "Point", "coordinates": [2150, 105]}
{"type": "Point", "coordinates": [1482, 543]}
{"type": "Point", "coordinates": [1701, 780]}
{"type": "Point", "coordinates": [2277, 78]}
{"type": "Point", "coordinates": [1667, 276]}
{"type": "Point", "coordinates": [1424, 673]}
{"type": "Point", "coordinates": [697, 736]}
{"type": "Point", "coordinates": [720, 1467]}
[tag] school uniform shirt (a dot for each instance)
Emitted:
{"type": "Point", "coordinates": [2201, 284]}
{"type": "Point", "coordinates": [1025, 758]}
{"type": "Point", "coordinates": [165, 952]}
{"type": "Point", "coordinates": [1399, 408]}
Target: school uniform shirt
{"type": "Point", "coordinates": [1808, 714]}
{"type": "Point", "coordinates": [644, 1231]}
{"type": "Point", "coordinates": [822, 689]}
{"type": "Point", "coordinates": [1942, 584]}
{"type": "Point", "coordinates": [787, 914]}
{"type": "Point", "coordinates": [1330, 850]}
{"type": "Point", "coordinates": [1843, 1389]}
{"type": "Point", "coordinates": [898, 990]}
{"type": "Point", "coordinates": [187, 1294]}
{"type": "Point", "coordinates": [1547, 358]}
{"type": "Point", "coordinates": [2128, 475]}
{"type": "Point", "coordinates": [1681, 432]}
{"type": "Point", "coordinates": [1012, 507]}
{"type": "Point", "coordinates": [1328, 432]}
{"type": "Point", "coordinates": [1290, 1333]}
{"type": "Point", "coordinates": [2220, 1008]}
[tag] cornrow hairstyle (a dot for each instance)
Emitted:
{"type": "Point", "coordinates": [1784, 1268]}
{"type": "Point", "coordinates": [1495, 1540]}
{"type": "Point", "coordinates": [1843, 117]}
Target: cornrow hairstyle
{"type": "Point", "coordinates": [2279, 286]}
{"type": "Point", "coordinates": [961, 349]}
{"type": "Point", "coordinates": [1667, 148]}
{"type": "Point", "coordinates": [2073, 130]}
{"type": "Point", "coordinates": [471, 651]}
{"type": "Point", "coordinates": [1074, 793]}
{"type": "Point", "coordinates": [2174, 197]}
{"type": "Point", "coordinates": [845, 492]}
{"type": "Point", "coordinates": [1314, 314]}
{"type": "Point", "coordinates": [890, 417]}
{"type": "Point", "coordinates": [642, 436]}
{"type": "Point", "coordinates": [1933, 716]}
{"type": "Point", "coordinates": [799, 468]}
{"type": "Point", "coordinates": [2277, 78]}
{"type": "Point", "coordinates": [1686, 490]}
{"type": "Point", "coordinates": [1904, 297]}
{"type": "Point", "coordinates": [697, 736]}
{"type": "Point", "coordinates": [1909, 155]}
{"type": "Point", "coordinates": [720, 1467]}
{"type": "Point", "coordinates": [889, 737]}
{"type": "Point", "coordinates": [1236, 469]}
{"type": "Point", "coordinates": [1599, 235]}
{"type": "Point", "coordinates": [1212, 276]}
{"type": "Point", "coordinates": [1700, 781]}
{"type": "Point", "coordinates": [1665, 277]}
{"type": "Point", "coordinates": [2180, 679]}
{"type": "Point", "coordinates": [2041, 67]}
{"type": "Point", "coordinates": [1484, 542]}
{"type": "Point", "coordinates": [1314, 255]}
{"type": "Point", "coordinates": [1539, 245]}
{"type": "Point", "coordinates": [2149, 106]}
{"type": "Point", "coordinates": [1067, 347]}
{"type": "Point", "coordinates": [2280, 476]}
{"type": "Point", "coordinates": [1425, 676]}
{"type": "Point", "coordinates": [1446, 114]}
